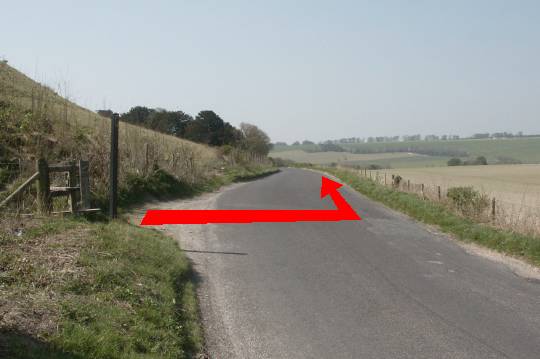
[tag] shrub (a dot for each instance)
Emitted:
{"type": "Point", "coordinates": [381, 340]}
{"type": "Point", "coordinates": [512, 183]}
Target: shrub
{"type": "Point", "coordinates": [480, 160]}
{"type": "Point", "coordinates": [454, 162]}
{"type": "Point", "coordinates": [468, 201]}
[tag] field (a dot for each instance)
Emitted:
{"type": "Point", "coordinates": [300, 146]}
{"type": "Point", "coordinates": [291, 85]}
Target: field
{"type": "Point", "coordinates": [524, 150]}
{"type": "Point", "coordinates": [338, 157]}
{"type": "Point", "coordinates": [386, 160]}
{"type": "Point", "coordinates": [516, 186]}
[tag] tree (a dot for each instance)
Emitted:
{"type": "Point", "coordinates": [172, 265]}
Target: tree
{"type": "Point", "coordinates": [137, 115]}
{"type": "Point", "coordinates": [254, 139]}
{"type": "Point", "coordinates": [209, 128]}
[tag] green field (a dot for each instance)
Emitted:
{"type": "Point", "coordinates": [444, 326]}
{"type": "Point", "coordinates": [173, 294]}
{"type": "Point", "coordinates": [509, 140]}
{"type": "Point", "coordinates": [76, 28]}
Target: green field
{"type": "Point", "coordinates": [386, 160]}
{"type": "Point", "coordinates": [524, 150]}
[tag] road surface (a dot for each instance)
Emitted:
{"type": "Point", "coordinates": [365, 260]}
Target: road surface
{"type": "Point", "coordinates": [383, 287]}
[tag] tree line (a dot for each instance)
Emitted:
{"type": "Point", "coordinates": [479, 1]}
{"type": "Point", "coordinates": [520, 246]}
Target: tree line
{"type": "Point", "coordinates": [207, 128]}
{"type": "Point", "coordinates": [413, 138]}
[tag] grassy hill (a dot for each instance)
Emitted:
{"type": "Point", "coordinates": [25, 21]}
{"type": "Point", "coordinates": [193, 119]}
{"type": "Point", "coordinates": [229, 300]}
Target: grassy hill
{"type": "Point", "coordinates": [37, 122]}
{"type": "Point", "coordinates": [77, 288]}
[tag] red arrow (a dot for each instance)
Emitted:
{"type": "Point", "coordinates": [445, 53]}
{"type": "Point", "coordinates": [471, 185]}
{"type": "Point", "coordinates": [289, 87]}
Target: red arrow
{"type": "Point", "coordinates": [343, 212]}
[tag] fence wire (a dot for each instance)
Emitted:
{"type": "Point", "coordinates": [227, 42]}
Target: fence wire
{"type": "Point", "coordinates": [503, 214]}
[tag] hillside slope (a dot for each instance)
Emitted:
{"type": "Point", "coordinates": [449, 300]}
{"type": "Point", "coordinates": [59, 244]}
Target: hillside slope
{"type": "Point", "coordinates": [37, 122]}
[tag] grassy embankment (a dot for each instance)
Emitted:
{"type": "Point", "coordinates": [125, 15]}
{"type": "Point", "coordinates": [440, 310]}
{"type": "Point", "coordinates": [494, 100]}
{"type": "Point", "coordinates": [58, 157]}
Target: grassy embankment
{"type": "Point", "coordinates": [465, 229]}
{"type": "Point", "coordinates": [74, 288]}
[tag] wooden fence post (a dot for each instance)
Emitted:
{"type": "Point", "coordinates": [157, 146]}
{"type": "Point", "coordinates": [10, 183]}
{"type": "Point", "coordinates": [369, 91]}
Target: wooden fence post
{"type": "Point", "coordinates": [493, 213]}
{"type": "Point", "coordinates": [72, 182]}
{"type": "Point", "coordinates": [408, 185]}
{"type": "Point", "coordinates": [43, 188]}
{"type": "Point", "coordinates": [439, 192]}
{"type": "Point", "coordinates": [423, 195]}
{"type": "Point", "coordinates": [84, 184]}
{"type": "Point", "coordinates": [113, 181]}
{"type": "Point", "coordinates": [385, 178]}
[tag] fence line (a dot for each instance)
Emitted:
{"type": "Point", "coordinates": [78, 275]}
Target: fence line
{"type": "Point", "coordinates": [499, 213]}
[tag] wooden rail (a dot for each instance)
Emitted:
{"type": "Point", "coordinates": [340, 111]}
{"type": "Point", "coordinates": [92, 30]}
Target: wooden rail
{"type": "Point", "coordinates": [19, 189]}
{"type": "Point", "coordinates": [77, 189]}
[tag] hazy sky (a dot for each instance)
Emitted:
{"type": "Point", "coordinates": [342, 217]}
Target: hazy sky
{"type": "Point", "coordinates": [298, 69]}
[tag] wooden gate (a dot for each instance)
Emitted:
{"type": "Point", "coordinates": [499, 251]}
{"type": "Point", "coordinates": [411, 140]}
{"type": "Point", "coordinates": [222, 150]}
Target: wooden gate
{"type": "Point", "coordinates": [77, 189]}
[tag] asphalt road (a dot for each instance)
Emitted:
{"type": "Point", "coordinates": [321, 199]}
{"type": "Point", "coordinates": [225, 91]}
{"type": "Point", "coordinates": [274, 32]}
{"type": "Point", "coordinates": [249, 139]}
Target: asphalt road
{"type": "Point", "coordinates": [383, 287]}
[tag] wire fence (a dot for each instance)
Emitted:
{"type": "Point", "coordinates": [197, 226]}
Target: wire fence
{"type": "Point", "coordinates": [517, 217]}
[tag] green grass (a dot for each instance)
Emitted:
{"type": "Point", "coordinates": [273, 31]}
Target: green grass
{"type": "Point", "coordinates": [527, 247]}
{"type": "Point", "coordinates": [128, 294]}
{"type": "Point", "coordinates": [526, 150]}
{"type": "Point", "coordinates": [162, 185]}
{"type": "Point", "coordinates": [404, 162]}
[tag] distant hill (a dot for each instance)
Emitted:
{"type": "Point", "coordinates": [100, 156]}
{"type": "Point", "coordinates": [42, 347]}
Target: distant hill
{"type": "Point", "coordinates": [434, 153]}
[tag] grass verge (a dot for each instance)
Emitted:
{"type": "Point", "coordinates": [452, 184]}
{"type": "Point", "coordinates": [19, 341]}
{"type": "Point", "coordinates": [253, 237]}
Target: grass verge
{"type": "Point", "coordinates": [515, 244]}
{"type": "Point", "coordinates": [75, 289]}
{"type": "Point", "coordinates": [72, 288]}
{"type": "Point", "coordinates": [162, 185]}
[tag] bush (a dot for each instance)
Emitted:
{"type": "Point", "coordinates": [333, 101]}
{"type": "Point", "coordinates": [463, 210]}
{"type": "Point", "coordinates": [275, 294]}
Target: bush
{"type": "Point", "coordinates": [454, 162]}
{"type": "Point", "coordinates": [468, 201]}
{"type": "Point", "coordinates": [480, 160]}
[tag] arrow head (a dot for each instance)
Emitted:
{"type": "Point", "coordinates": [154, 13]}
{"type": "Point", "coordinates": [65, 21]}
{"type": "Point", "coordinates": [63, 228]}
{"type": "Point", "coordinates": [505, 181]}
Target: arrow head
{"type": "Point", "coordinates": [328, 186]}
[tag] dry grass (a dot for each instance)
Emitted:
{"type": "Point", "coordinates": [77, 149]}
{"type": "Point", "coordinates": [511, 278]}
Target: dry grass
{"type": "Point", "coordinates": [516, 189]}
{"type": "Point", "coordinates": [33, 269]}
{"type": "Point", "coordinates": [72, 288]}
{"type": "Point", "coordinates": [516, 185]}
{"type": "Point", "coordinates": [62, 130]}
